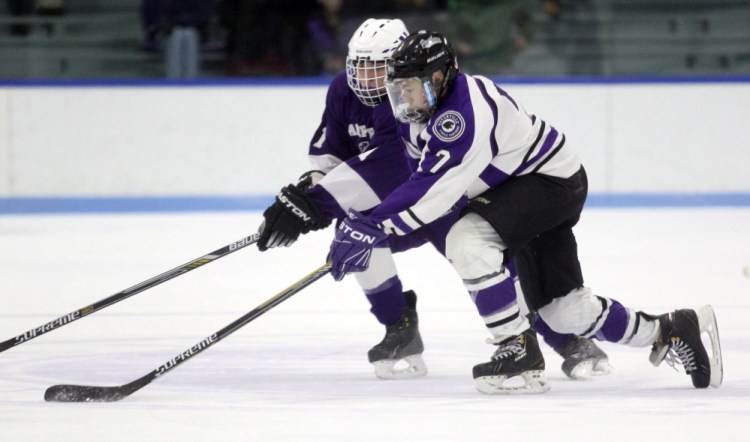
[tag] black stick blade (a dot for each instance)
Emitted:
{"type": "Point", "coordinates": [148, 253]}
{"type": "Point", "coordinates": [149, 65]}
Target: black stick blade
{"type": "Point", "coordinates": [82, 393]}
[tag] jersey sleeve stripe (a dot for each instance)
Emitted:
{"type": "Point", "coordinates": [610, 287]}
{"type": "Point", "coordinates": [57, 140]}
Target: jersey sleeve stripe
{"type": "Point", "coordinates": [325, 162]}
{"type": "Point", "coordinates": [396, 226]}
{"type": "Point", "coordinates": [549, 157]}
{"type": "Point", "coordinates": [493, 176]}
{"type": "Point", "coordinates": [549, 141]}
{"type": "Point", "coordinates": [505, 94]}
{"type": "Point", "coordinates": [533, 146]}
{"type": "Point", "coordinates": [493, 108]}
{"type": "Point", "coordinates": [416, 218]}
{"type": "Point", "coordinates": [339, 184]}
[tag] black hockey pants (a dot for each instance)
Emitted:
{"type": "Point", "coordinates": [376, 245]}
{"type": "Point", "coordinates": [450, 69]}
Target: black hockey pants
{"type": "Point", "coordinates": [534, 215]}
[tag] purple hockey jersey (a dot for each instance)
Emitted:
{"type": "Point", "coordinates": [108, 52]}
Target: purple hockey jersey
{"type": "Point", "coordinates": [359, 149]}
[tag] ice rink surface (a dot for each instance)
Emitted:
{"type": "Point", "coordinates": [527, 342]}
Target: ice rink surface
{"type": "Point", "coordinates": [300, 372]}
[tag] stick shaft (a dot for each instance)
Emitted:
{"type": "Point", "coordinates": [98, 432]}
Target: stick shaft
{"type": "Point", "coordinates": [128, 292]}
{"type": "Point", "coordinates": [82, 393]}
{"type": "Point", "coordinates": [245, 319]}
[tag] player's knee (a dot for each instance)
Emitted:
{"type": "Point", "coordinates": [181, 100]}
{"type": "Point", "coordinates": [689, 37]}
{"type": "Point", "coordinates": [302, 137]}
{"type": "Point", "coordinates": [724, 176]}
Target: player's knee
{"type": "Point", "coordinates": [471, 255]}
{"type": "Point", "coordinates": [573, 313]}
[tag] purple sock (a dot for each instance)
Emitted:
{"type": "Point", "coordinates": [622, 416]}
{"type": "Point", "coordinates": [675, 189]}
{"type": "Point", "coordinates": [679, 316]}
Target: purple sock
{"type": "Point", "coordinates": [615, 325]}
{"type": "Point", "coordinates": [495, 298]}
{"type": "Point", "coordinates": [387, 301]}
{"type": "Point", "coordinates": [557, 341]}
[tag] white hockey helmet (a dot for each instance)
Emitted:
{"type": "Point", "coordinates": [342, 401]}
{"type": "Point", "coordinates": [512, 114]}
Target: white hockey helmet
{"type": "Point", "coordinates": [370, 47]}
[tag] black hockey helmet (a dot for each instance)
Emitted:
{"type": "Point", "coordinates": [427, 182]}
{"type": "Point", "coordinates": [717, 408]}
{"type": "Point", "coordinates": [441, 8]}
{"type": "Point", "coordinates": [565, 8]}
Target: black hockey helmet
{"type": "Point", "coordinates": [417, 58]}
{"type": "Point", "coordinates": [421, 54]}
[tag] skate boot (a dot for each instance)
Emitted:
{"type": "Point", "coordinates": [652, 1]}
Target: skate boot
{"type": "Point", "coordinates": [584, 360]}
{"type": "Point", "coordinates": [516, 359]}
{"type": "Point", "coordinates": [401, 345]}
{"type": "Point", "coordinates": [679, 342]}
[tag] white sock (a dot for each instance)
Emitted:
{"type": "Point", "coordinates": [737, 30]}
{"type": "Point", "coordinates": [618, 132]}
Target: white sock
{"type": "Point", "coordinates": [646, 331]}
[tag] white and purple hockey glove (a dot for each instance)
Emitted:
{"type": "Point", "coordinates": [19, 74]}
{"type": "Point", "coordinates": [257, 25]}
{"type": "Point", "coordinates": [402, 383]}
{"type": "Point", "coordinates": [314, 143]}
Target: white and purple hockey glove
{"type": "Point", "coordinates": [352, 247]}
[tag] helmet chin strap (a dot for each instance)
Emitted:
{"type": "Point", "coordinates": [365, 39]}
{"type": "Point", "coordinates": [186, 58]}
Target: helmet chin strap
{"type": "Point", "coordinates": [440, 87]}
{"type": "Point", "coordinates": [433, 92]}
{"type": "Point", "coordinates": [430, 94]}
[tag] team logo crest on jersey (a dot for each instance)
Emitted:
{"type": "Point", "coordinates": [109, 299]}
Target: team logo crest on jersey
{"type": "Point", "coordinates": [449, 126]}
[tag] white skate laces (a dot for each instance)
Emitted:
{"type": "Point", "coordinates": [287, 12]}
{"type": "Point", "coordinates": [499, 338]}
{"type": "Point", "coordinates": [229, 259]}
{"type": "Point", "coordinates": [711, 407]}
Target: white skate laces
{"type": "Point", "coordinates": [516, 367]}
{"type": "Point", "coordinates": [682, 343]}
{"type": "Point", "coordinates": [679, 353]}
{"type": "Point", "coordinates": [505, 350]}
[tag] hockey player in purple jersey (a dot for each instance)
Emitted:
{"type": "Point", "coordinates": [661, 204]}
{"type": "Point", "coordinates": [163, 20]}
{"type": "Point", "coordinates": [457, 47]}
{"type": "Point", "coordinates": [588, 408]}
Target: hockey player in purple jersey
{"type": "Point", "coordinates": [527, 189]}
{"type": "Point", "coordinates": [358, 159]}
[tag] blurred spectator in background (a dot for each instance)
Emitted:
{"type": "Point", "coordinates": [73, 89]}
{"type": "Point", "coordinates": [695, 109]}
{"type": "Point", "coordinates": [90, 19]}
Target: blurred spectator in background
{"type": "Point", "coordinates": [183, 26]}
{"type": "Point", "coordinates": [552, 8]}
{"type": "Point", "coordinates": [417, 14]}
{"type": "Point", "coordinates": [415, 5]}
{"type": "Point", "coordinates": [20, 8]}
{"type": "Point", "coordinates": [487, 34]}
{"type": "Point", "coordinates": [301, 37]}
{"type": "Point", "coordinates": [269, 37]}
{"type": "Point", "coordinates": [29, 7]}
{"type": "Point", "coordinates": [323, 29]}
{"type": "Point", "coordinates": [159, 17]}
{"type": "Point", "coordinates": [356, 8]}
{"type": "Point", "coordinates": [150, 14]}
{"type": "Point", "coordinates": [50, 7]}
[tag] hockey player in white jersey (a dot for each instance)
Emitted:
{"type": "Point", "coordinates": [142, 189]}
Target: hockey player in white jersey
{"type": "Point", "coordinates": [527, 189]}
{"type": "Point", "coordinates": [356, 142]}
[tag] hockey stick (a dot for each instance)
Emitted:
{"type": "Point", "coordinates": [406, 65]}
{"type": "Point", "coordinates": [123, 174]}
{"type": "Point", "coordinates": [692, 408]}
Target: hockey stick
{"type": "Point", "coordinates": [83, 393]}
{"type": "Point", "coordinates": [117, 297]}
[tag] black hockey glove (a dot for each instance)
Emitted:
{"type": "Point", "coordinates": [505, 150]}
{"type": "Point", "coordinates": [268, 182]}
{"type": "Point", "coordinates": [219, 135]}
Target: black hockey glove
{"type": "Point", "coordinates": [292, 214]}
{"type": "Point", "coordinates": [309, 179]}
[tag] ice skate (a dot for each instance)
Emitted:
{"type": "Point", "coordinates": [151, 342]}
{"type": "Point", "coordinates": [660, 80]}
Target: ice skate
{"type": "Point", "coordinates": [679, 342]}
{"type": "Point", "coordinates": [584, 360]}
{"type": "Point", "coordinates": [517, 359]}
{"type": "Point", "coordinates": [399, 354]}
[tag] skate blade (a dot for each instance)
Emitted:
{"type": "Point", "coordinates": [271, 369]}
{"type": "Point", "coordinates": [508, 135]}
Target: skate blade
{"type": "Point", "coordinates": [708, 325]}
{"type": "Point", "coordinates": [589, 370]}
{"type": "Point", "coordinates": [387, 368]}
{"type": "Point", "coordinates": [534, 383]}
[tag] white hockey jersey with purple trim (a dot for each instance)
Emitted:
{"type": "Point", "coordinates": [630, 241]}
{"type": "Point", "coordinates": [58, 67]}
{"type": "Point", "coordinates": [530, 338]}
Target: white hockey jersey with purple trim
{"type": "Point", "coordinates": [478, 138]}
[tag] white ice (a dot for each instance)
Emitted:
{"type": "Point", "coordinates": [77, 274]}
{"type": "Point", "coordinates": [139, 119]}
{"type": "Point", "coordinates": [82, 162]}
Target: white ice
{"type": "Point", "coordinates": [300, 372]}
